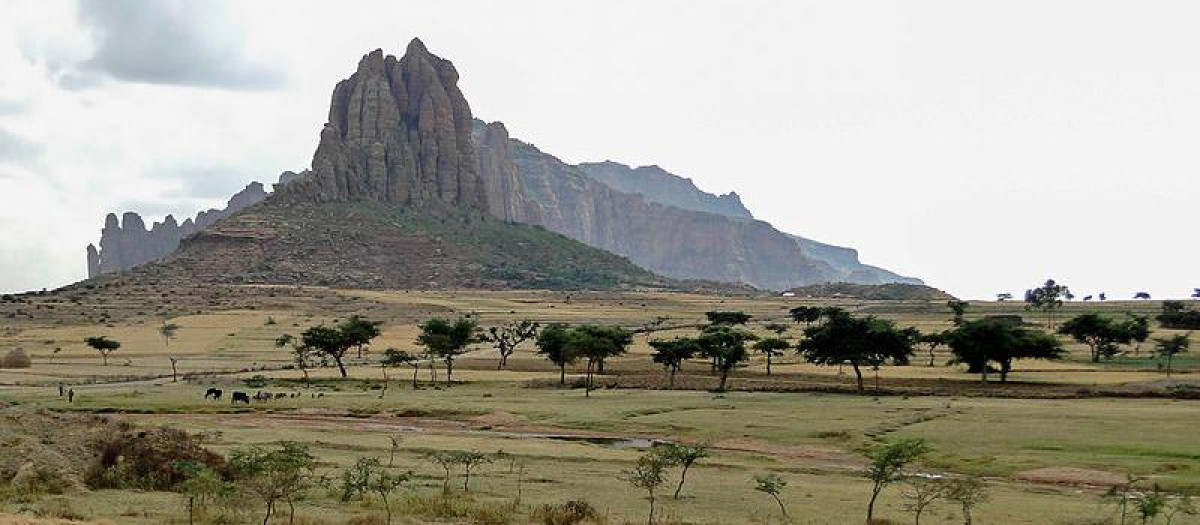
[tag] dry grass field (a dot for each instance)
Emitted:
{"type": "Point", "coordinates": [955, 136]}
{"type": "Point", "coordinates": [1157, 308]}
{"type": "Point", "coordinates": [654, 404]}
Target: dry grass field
{"type": "Point", "coordinates": [1049, 443]}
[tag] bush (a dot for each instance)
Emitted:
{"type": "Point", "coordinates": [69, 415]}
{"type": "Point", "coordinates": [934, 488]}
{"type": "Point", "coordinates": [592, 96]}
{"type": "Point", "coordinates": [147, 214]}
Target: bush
{"type": "Point", "coordinates": [255, 381]}
{"type": "Point", "coordinates": [1177, 315]}
{"type": "Point", "coordinates": [16, 358]}
{"type": "Point", "coordinates": [572, 512]}
{"type": "Point", "coordinates": [148, 459]}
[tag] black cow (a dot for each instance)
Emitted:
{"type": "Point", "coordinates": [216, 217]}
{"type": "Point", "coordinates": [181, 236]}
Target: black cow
{"type": "Point", "coordinates": [280, 395]}
{"type": "Point", "coordinates": [240, 396]}
{"type": "Point", "coordinates": [214, 393]}
{"type": "Point", "coordinates": [1141, 295]}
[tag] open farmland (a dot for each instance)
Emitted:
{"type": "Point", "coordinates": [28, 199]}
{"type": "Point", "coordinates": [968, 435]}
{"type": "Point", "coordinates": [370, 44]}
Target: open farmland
{"type": "Point", "coordinates": [1049, 443]}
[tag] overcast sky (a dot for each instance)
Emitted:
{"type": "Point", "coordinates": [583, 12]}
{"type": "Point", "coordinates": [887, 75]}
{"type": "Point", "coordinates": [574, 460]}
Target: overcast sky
{"type": "Point", "coordinates": [980, 146]}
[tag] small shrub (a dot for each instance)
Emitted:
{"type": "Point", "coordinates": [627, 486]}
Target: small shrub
{"type": "Point", "coordinates": [255, 381]}
{"type": "Point", "coordinates": [16, 358]}
{"type": "Point", "coordinates": [572, 512]}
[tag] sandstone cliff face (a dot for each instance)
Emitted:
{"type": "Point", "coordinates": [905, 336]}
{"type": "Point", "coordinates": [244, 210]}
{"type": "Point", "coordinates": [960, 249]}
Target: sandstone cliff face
{"type": "Point", "coordinates": [659, 185]}
{"type": "Point", "coordinates": [399, 131]}
{"type": "Point", "coordinates": [506, 195]}
{"type": "Point", "coordinates": [667, 240]}
{"type": "Point", "coordinates": [126, 243]}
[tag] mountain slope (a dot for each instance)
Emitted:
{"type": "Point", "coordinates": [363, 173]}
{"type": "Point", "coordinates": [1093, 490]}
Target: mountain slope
{"type": "Point", "coordinates": [371, 244]}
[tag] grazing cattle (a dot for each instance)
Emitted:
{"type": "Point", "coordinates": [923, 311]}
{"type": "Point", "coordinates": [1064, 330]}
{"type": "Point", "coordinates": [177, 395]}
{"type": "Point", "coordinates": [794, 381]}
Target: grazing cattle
{"type": "Point", "coordinates": [262, 396]}
{"type": "Point", "coordinates": [1103, 296]}
{"type": "Point", "coordinates": [1141, 295]}
{"type": "Point", "coordinates": [1196, 294]}
{"type": "Point", "coordinates": [240, 396]}
{"type": "Point", "coordinates": [214, 393]}
{"type": "Point", "coordinates": [280, 395]}
{"type": "Point", "coordinates": [1087, 298]}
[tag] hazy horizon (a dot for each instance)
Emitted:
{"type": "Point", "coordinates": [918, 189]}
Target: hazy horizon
{"type": "Point", "coordinates": [982, 149]}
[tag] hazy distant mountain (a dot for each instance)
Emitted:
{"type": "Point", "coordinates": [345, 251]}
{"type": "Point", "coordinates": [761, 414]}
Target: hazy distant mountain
{"type": "Point", "coordinates": [659, 185]}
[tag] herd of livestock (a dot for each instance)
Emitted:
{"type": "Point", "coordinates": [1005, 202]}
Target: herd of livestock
{"type": "Point", "coordinates": [260, 396]}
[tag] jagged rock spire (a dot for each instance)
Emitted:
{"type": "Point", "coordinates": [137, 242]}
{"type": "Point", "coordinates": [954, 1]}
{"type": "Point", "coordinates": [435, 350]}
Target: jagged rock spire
{"type": "Point", "coordinates": [399, 131]}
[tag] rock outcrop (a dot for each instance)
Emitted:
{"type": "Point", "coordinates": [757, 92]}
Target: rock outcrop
{"type": "Point", "coordinates": [395, 199]}
{"type": "Point", "coordinates": [506, 195]}
{"type": "Point", "coordinates": [126, 243]}
{"type": "Point", "coordinates": [399, 131]}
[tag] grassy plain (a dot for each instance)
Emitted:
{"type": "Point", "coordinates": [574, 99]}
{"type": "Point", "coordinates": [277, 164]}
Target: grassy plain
{"type": "Point", "coordinates": [1047, 450]}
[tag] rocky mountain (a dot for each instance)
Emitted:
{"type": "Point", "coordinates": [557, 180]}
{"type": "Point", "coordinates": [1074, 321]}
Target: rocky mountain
{"type": "Point", "coordinates": [127, 243]}
{"type": "Point", "coordinates": [400, 142]}
{"type": "Point", "coordinates": [395, 199]}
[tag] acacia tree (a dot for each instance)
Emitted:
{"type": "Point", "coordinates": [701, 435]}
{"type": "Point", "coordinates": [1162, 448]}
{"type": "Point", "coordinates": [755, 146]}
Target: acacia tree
{"type": "Point", "coordinates": [359, 332]}
{"type": "Point", "coordinates": [395, 358]}
{"type": "Point", "coordinates": [330, 343]}
{"type": "Point", "coordinates": [778, 328]}
{"type": "Point", "coordinates": [383, 483]}
{"type": "Point", "coordinates": [671, 354]}
{"type": "Point", "coordinates": [1047, 298]}
{"type": "Point", "coordinates": [469, 459]}
{"type": "Point", "coordinates": [887, 462]}
{"type": "Point", "coordinates": [968, 492]}
{"type": "Point", "coordinates": [597, 343]}
{"type": "Point", "coordinates": [276, 475]}
{"type": "Point", "coordinates": [552, 344]}
{"type": "Point", "coordinates": [805, 314]}
{"type": "Point", "coordinates": [1101, 334]}
{"type": "Point", "coordinates": [684, 456]}
{"type": "Point", "coordinates": [922, 493]}
{"type": "Point", "coordinates": [200, 485]}
{"type": "Point", "coordinates": [958, 308]}
{"type": "Point", "coordinates": [727, 317]}
{"type": "Point", "coordinates": [726, 346]}
{"type": "Point", "coordinates": [979, 342]}
{"type": "Point", "coordinates": [1138, 328]}
{"type": "Point", "coordinates": [1169, 347]}
{"type": "Point", "coordinates": [866, 341]}
{"type": "Point", "coordinates": [933, 341]}
{"type": "Point", "coordinates": [103, 345]}
{"type": "Point", "coordinates": [507, 338]}
{"type": "Point", "coordinates": [447, 339]}
{"type": "Point", "coordinates": [300, 353]}
{"type": "Point", "coordinates": [648, 474]}
{"type": "Point", "coordinates": [168, 331]}
{"type": "Point", "coordinates": [771, 347]}
{"type": "Point", "coordinates": [446, 460]}
{"type": "Point", "coordinates": [772, 485]}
